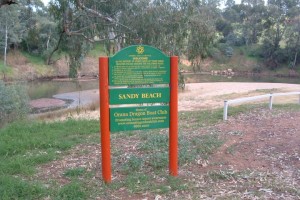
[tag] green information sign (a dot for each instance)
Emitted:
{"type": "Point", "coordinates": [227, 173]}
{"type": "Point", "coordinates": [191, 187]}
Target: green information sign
{"type": "Point", "coordinates": [136, 66]}
{"type": "Point", "coordinates": [137, 118]}
{"type": "Point", "coordinates": [139, 95]}
{"type": "Point", "coordinates": [139, 65]}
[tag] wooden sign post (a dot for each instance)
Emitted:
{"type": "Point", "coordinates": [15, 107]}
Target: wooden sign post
{"type": "Point", "coordinates": [136, 66]}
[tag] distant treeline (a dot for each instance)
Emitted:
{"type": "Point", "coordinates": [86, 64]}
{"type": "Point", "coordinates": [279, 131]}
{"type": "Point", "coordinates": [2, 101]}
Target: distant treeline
{"type": "Point", "coordinates": [194, 28]}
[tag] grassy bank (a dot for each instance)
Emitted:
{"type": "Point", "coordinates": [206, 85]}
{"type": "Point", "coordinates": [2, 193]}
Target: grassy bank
{"type": "Point", "coordinates": [26, 66]}
{"type": "Point", "coordinates": [25, 145]}
{"type": "Point", "coordinates": [29, 151]}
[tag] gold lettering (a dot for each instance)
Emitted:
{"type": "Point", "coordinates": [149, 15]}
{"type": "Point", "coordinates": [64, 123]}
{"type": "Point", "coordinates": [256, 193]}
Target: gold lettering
{"type": "Point", "coordinates": [121, 114]}
{"type": "Point", "coordinates": [151, 95]}
{"type": "Point", "coordinates": [151, 112]}
{"type": "Point", "coordinates": [162, 112]}
{"type": "Point", "coordinates": [138, 114]}
{"type": "Point", "coordinates": [128, 96]}
{"type": "Point", "coordinates": [140, 58]}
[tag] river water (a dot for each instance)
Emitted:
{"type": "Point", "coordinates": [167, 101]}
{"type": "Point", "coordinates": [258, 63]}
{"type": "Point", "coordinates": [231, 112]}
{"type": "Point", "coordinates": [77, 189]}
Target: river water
{"type": "Point", "coordinates": [46, 89]}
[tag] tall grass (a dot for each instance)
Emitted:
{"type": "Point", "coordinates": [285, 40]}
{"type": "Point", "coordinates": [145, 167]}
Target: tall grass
{"type": "Point", "coordinates": [5, 70]}
{"type": "Point", "coordinates": [34, 59]}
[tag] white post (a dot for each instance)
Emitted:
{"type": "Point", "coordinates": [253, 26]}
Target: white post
{"type": "Point", "coordinates": [270, 101]}
{"type": "Point", "coordinates": [225, 110]}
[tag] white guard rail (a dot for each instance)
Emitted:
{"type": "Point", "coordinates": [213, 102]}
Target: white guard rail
{"type": "Point", "coordinates": [240, 100]}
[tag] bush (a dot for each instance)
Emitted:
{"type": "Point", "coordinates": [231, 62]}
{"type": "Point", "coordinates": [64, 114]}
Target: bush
{"type": "Point", "coordinates": [217, 55]}
{"type": "Point", "coordinates": [257, 69]}
{"type": "Point", "coordinates": [234, 40]}
{"type": "Point", "coordinates": [226, 49]}
{"type": "Point", "coordinates": [255, 51]}
{"type": "Point", "coordinates": [14, 102]}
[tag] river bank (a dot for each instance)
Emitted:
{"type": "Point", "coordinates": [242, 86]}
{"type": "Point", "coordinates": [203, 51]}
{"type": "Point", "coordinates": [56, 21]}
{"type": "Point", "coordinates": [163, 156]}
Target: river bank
{"type": "Point", "coordinates": [196, 96]}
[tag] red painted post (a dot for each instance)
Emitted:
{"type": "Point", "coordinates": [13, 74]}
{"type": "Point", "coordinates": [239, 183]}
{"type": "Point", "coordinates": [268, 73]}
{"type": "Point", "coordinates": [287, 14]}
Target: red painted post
{"type": "Point", "coordinates": [104, 119]}
{"type": "Point", "coordinates": [173, 131]}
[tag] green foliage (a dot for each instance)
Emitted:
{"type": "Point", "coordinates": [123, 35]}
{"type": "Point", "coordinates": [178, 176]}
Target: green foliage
{"type": "Point", "coordinates": [224, 26]}
{"type": "Point", "coordinates": [189, 28]}
{"type": "Point", "coordinates": [10, 28]}
{"type": "Point", "coordinates": [5, 71]}
{"type": "Point", "coordinates": [257, 69]}
{"type": "Point", "coordinates": [97, 50]}
{"type": "Point", "coordinates": [254, 51]}
{"type": "Point", "coordinates": [226, 49]}
{"type": "Point", "coordinates": [34, 59]}
{"type": "Point", "coordinates": [217, 55]}
{"type": "Point", "coordinates": [234, 39]}
{"type": "Point", "coordinates": [14, 102]}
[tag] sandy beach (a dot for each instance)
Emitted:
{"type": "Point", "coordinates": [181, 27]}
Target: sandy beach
{"type": "Point", "coordinates": [196, 96]}
{"type": "Point", "coordinates": [212, 95]}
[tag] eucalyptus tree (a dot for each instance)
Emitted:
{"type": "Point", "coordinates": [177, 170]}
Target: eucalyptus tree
{"type": "Point", "coordinates": [293, 41]}
{"type": "Point", "coordinates": [202, 16]}
{"type": "Point", "coordinates": [7, 2]}
{"type": "Point", "coordinates": [229, 3]}
{"type": "Point", "coordinates": [255, 13]}
{"type": "Point", "coordinates": [24, 25]}
{"type": "Point", "coordinates": [292, 35]}
{"type": "Point", "coordinates": [38, 34]}
{"type": "Point", "coordinates": [159, 23]}
{"type": "Point", "coordinates": [10, 29]}
{"type": "Point", "coordinates": [81, 23]}
{"type": "Point", "coordinates": [279, 13]}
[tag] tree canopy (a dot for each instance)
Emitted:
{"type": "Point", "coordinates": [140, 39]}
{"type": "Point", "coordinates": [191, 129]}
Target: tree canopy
{"type": "Point", "coordinates": [184, 27]}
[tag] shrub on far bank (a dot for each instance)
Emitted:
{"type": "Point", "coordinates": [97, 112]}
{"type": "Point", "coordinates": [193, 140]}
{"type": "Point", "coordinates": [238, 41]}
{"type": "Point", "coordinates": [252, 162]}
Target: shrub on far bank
{"type": "Point", "coordinates": [13, 102]}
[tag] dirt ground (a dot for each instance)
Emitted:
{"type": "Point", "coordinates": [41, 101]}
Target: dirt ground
{"type": "Point", "coordinates": [260, 158]}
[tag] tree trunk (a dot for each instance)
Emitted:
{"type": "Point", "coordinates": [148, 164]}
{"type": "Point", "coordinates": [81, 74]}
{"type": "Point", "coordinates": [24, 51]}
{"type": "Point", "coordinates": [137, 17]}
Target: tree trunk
{"type": "Point", "coordinates": [5, 48]}
{"type": "Point", "coordinates": [295, 60]}
{"type": "Point", "coordinates": [48, 41]}
{"type": "Point", "coordinates": [55, 49]}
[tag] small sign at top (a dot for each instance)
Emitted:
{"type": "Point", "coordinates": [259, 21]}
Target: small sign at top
{"type": "Point", "coordinates": [139, 65]}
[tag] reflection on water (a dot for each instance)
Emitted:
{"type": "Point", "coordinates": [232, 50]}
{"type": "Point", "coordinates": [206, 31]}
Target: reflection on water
{"type": "Point", "coordinates": [46, 89]}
